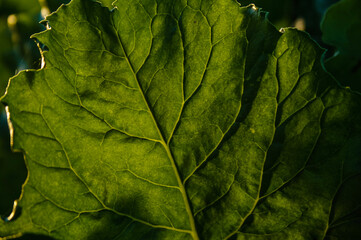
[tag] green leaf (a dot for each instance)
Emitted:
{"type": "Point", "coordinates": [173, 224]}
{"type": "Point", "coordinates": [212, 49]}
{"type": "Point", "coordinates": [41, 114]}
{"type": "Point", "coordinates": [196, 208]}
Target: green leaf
{"type": "Point", "coordinates": [18, 20]}
{"type": "Point", "coordinates": [281, 12]}
{"type": "Point", "coordinates": [107, 3]}
{"type": "Point", "coordinates": [54, 4]}
{"type": "Point", "coordinates": [305, 14]}
{"type": "Point", "coordinates": [346, 69]}
{"type": "Point", "coordinates": [183, 120]}
{"type": "Point", "coordinates": [340, 27]}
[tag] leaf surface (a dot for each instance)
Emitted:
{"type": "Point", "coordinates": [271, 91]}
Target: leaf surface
{"type": "Point", "coordinates": [182, 120]}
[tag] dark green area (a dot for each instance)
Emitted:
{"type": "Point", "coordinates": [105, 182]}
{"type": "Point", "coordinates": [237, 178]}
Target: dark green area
{"type": "Point", "coordinates": [341, 28]}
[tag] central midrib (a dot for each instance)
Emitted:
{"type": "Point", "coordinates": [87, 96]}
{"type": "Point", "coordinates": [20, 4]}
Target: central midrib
{"type": "Point", "coordinates": [166, 147]}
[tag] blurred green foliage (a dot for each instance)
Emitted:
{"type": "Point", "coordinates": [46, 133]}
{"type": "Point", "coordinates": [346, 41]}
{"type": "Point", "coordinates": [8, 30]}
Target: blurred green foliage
{"type": "Point", "coordinates": [18, 20]}
{"type": "Point", "coordinates": [341, 28]}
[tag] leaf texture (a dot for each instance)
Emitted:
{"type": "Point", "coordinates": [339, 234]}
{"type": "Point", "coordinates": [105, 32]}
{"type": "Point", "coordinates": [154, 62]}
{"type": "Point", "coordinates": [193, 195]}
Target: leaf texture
{"type": "Point", "coordinates": [182, 120]}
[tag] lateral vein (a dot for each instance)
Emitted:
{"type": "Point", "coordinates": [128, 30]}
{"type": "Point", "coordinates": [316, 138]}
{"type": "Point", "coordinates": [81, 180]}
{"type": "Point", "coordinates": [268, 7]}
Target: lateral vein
{"type": "Point", "coordinates": [193, 231]}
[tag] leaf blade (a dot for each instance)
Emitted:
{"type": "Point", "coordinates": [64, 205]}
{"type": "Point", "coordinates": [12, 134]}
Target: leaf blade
{"type": "Point", "coordinates": [243, 155]}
